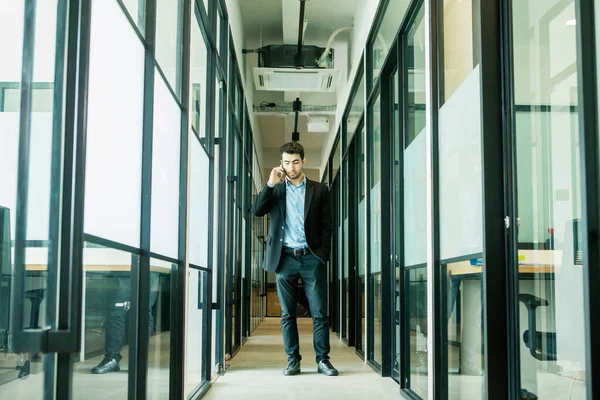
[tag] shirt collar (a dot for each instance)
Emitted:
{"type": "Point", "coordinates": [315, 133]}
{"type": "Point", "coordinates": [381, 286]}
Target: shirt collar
{"type": "Point", "coordinates": [301, 185]}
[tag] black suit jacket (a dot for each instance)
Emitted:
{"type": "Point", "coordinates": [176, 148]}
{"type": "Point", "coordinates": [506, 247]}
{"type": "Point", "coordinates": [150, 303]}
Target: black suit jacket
{"type": "Point", "coordinates": [317, 220]}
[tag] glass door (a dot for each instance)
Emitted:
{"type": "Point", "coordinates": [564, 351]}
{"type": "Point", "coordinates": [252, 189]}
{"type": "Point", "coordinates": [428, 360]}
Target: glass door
{"type": "Point", "coordinates": [414, 225]}
{"type": "Point", "coordinates": [547, 153]}
{"type": "Point", "coordinates": [361, 256]}
{"type": "Point", "coordinates": [37, 331]}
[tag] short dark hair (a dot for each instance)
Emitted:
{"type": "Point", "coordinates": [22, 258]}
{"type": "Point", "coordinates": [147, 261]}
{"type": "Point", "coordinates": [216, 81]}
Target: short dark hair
{"type": "Point", "coordinates": [292, 148]}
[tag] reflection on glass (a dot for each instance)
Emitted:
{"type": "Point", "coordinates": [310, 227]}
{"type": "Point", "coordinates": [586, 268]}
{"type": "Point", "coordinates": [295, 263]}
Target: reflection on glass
{"type": "Point", "coordinates": [375, 227]}
{"type": "Point", "coordinates": [398, 147]}
{"type": "Point", "coordinates": [356, 110]}
{"type": "Point", "coordinates": [168, 41]}
{"type": "Point", "coordinates": [159, 349]}
{"type": "Point", "coordinates": [417, 324]}
{"type": "Point", "coordinates": [218, 94]}
{"type": "Point", "coordinates": [218, 29]}
{"type": "Point", "coordinates": [346, 243]}
{"type": "Point", "coordinates": [22, 374]}
{"type": "Point", "coordinates": [415, 198]}
{"type": "Point", "coordinates": [107, 326]}
{"type": "Point", "coordinates": [551, 305]}
{"type": "Point", "coordinates": [194, 333]}
{"type": "Point", "coordinates": [460, 186]}
{"type": "Point", "coordinates": [198, 57]}
{"type": "Point", "coordinates": [362, 234]}
{"type": "Point", "coordinates": [337, 154]}
{"type": "Point", "coordinates": [137, 12]}
{"type": "Point", "coordinates": [377, 319]}
{"type": "Point", "coordinates": [392, 19]}
{"type": "Point", "coordinates": [325, 179]}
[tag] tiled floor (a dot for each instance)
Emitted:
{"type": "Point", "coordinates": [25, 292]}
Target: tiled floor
{"type": "Point", "coordinates": [256, 371]}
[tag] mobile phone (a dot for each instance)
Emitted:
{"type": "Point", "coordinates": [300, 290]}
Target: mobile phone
{"type": "Point", "coordinates": [279, 175]}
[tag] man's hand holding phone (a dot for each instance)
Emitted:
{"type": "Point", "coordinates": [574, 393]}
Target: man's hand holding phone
{"type": "Point", "coordinates": [277, 175]}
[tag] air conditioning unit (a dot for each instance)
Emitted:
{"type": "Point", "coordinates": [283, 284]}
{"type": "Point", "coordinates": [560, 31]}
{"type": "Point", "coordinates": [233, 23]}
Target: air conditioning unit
{"type": "Point", "coordinates": [295, 80]}
{"type": "Point", "coordinates": [280, 69]}
{"type": "Point", "coordinates": [284, 56]}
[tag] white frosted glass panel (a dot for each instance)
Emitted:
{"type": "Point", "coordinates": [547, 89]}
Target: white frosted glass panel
{"type": "Point", "coordinates": [415, 202]}
{"type": "Point", "coordinates": [460, 178]}
{"type": "Point", "coordinates": [9, 152]}
{"type": "Point", "coordinates": [198, 214]}
{"type": "Point", "coordinates": [198, 59]}
{"type": "Point", "coordinates": [39, 171]}
{"type": "Point", "coordinates": [11, 40]}
{"type": "Point", "coordinates": [114, 131]}
{"type": "Point", "coordinates": [165, 170]}
{"type": "Point", "coordinates": [38, 207]}
{"type": "Point", "coordinates": [168, 49]}
{"type": "Point", "coordinates": [136, 10]}
{"type": "Point", "coordinates": [45, 41]}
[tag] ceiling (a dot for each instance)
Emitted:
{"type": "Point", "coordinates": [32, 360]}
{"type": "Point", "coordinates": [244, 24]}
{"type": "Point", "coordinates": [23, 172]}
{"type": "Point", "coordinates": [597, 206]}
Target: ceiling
{"type": "Point", "coordinates": [276, 22]}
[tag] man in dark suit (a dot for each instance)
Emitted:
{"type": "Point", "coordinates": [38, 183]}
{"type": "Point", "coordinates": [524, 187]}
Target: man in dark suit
{"type": "Point", "coordinates": [298, 247]}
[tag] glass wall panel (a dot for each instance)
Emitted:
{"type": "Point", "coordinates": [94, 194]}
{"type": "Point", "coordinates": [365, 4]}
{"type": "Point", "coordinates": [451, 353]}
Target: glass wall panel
{"type": "Point", "coordinates": [460, 191]}
{"type": "Point", "coordinates": [169, 15]}
{"type": "Point", "coordinates": [415, 199]}
{"type": "Point", "coordinates": [337, 155]}
{"type": "Point", "coordinates": [398, 146]}
{"type": "Point", "coordinates": [362, 235]}
{"type": "Point", "coordinates": [198, 214]}
{"type": "Point", "coordinates": [417, 321]}
{"type": "Point", "coordinates": [137, 12]}
{"type": "Point", "coordinates": [551, 304]}
{"type": "Point", "coordinates": [165, 171]}
{"type": "Point", "coordinates": [375, 239]}
{"type": "Point", "coordinates": [356, 110]}
{"type": "Point", "coordinates": [198, 78]}
{"type": "Point", "coordinates": [197, 281]}
{"type": "Point", "coordinates": [116, 88]}
{"type": "Point", "coordinates": [346, 255]}
{"type": "Point", "coordinates": [38, 296]}
{"type": "Point", "coordinates": [108, 329]}
{"type": "Point", "coordinates": [159, 348]}
{"type": "Point", "coordinates": [386, 34]}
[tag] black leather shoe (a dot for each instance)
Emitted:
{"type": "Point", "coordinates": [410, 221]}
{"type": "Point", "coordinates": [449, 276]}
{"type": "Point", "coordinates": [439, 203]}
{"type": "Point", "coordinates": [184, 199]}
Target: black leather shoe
{"type": "Point", "coordinates": [293, 368]}
{"type": "Point", "coordinates": [106, 366]}
{"type": "Point", "coordinates": [325, 367]}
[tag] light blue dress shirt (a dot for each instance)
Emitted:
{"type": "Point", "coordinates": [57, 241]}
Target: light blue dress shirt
{"type": "Point", "coordinates": [294, 235]}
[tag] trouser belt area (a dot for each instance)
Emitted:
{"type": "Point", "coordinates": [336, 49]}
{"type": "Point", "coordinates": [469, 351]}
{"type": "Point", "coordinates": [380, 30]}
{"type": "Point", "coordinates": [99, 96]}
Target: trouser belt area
{"type": "Point", "coordinates": [297, 252]}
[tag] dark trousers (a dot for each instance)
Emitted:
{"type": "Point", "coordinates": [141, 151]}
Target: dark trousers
{"type": "Point", "coordinates": [313, 273]}
{"type": "Point", "coordinates": [114, 325]}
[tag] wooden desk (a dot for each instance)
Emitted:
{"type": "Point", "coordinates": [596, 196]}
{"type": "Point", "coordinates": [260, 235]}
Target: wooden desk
{"type": "Point", "coordinates": [465, 268]}
{"type": "Point", "coordinates": [98, 268]}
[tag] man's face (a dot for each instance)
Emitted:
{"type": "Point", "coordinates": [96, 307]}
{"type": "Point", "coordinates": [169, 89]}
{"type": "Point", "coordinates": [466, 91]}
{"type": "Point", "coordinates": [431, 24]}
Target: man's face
{"type": "Point", "coordinates": [293, 165]}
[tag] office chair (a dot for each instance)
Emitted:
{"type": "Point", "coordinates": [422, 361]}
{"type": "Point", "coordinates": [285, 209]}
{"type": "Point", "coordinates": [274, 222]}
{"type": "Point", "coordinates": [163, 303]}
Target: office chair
{"type": "Point", "coordinates": [542, 345]}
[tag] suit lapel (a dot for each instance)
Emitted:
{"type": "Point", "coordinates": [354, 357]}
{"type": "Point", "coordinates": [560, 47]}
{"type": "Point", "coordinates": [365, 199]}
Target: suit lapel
{"type": "Point", "coordinates": [308, 197]}
{"type": "Point", "coordinates": [282, 193]}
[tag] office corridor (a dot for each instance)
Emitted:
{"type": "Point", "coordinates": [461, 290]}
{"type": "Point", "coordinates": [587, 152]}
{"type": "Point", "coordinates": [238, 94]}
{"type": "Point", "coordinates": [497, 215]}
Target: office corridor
{"type": "Point", "coordinates": [256, 371]}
